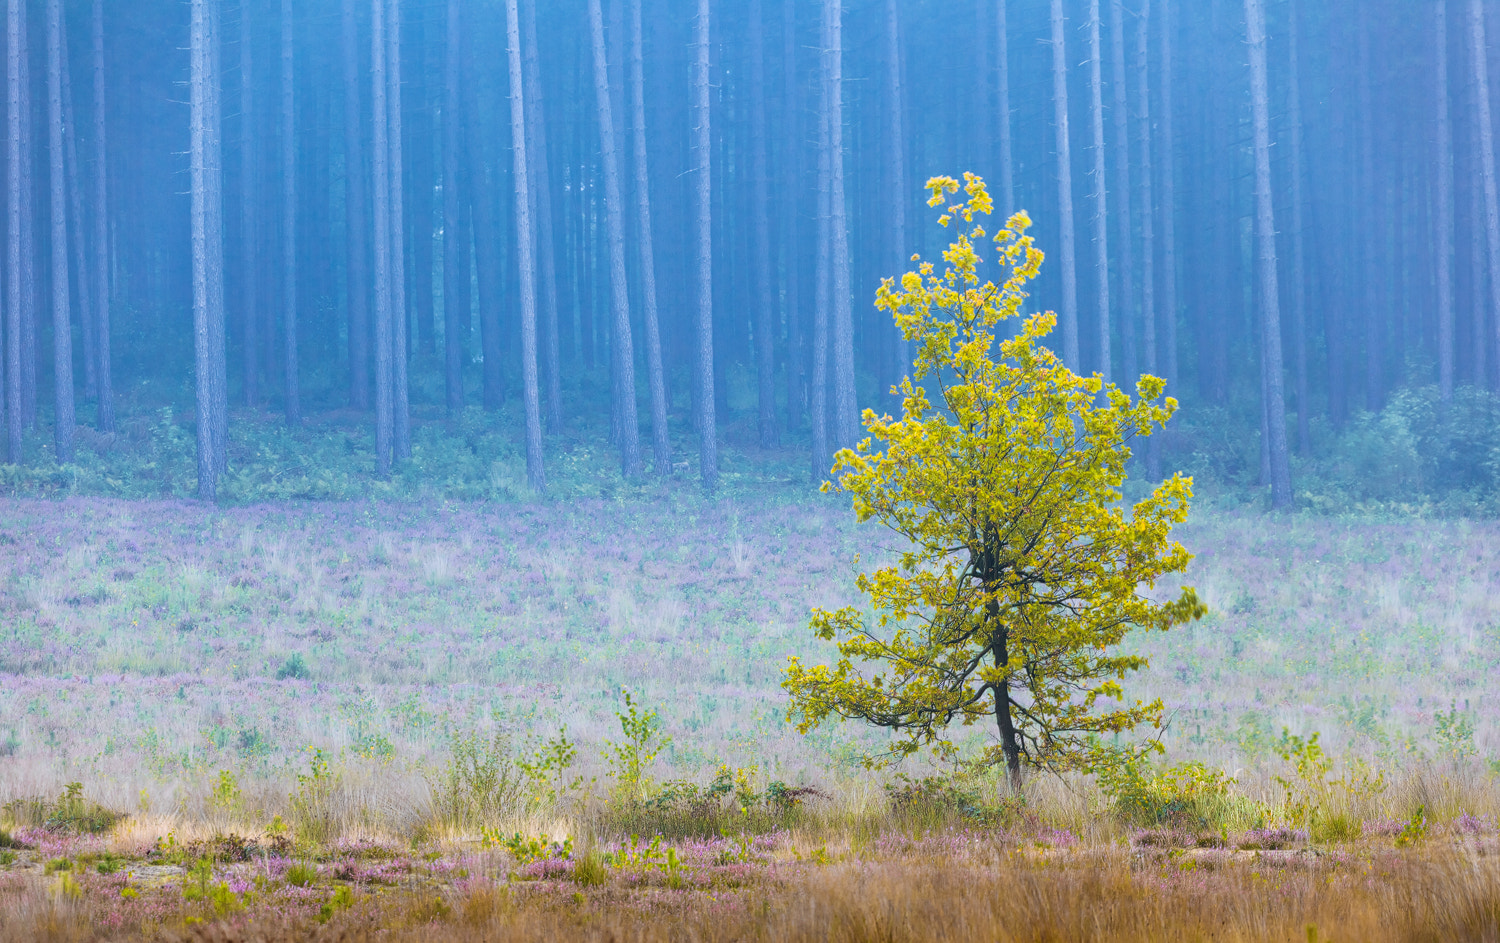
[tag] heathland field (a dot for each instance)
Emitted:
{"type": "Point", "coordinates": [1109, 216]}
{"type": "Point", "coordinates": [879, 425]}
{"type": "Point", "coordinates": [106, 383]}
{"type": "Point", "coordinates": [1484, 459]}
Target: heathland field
{"type": "Point", "coordinates": [328, 718]}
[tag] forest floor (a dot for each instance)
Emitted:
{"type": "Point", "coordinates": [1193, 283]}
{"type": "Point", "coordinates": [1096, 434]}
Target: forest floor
{"type": "Point", "coordinates": [275, 696]}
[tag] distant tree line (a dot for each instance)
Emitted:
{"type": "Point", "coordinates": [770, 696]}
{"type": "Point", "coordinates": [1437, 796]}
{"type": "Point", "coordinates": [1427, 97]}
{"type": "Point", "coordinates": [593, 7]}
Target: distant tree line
{"type": "Point", "coordinates": [1287, 201]}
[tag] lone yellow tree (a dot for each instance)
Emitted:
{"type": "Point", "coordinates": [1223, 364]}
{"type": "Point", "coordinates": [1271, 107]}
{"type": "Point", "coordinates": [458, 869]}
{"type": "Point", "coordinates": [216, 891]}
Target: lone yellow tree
{"type": "Point", "coordinates": [1020, 568]}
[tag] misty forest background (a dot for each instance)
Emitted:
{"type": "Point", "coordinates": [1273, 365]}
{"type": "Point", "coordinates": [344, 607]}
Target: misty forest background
{"type": "Point", "coordinates": [260, 249]}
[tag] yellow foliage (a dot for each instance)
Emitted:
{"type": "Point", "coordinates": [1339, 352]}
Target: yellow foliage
{"type": "Point", "coordinates": [1022, 568]}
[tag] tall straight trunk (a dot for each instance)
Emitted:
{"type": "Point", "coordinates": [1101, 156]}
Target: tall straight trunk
{"type": "Point", "coordinates": [1265, 233]}
{"type": "Point", "coordinates": [16, 182]}
{"type": "Point", "coordinates": [822, 289]}
{"type": "Point", "coordinates": [1101, 191]}
{"type": "Point", "coordinates": [541, 211]}
{"type": "Point", "coordinates": [660, 444]}
{"type": "Point", "coordinates": [1299, 248]}
{"type": "Point", "coordinates": [1066, 234]}
{"type": "Point", "coordinates": [1168, 207]}
{"type": "Point", "coordinates": [896, 141]}
{"type": "Point", "coordinates": [763, 288]}
{"type": "Point", "coordinates": [380, 156]}
{"type": "Point", "coordinates": [621, 342]}
{"type": "Point", "coordinates": [1123, 214]}
{"type": "Point", "coordinates": [455, 272]}
{"type": "Point", "coordinates": [1444, 208]}
{"type": "Point", "coordinates": [1002, 106]}
{"type": "Point", "coordinates": [708, 446]}
{"type": "Point", "coordinates": [1148, 223]}
{"type": "Point", "coordinates": [525, 244]}
{"type": "Point", "coordinates": [1478, 52]}
{"type": "Point", "coordinates": [293, 394]}
{"type": "Point", "coordinates": [356, 223]}
{"type": "Point", "coordinates": [199, 143]}
{"type": "Point", "coordinates": [845, 408]}
{"type": "Point", "coordinates": [791, 257]}
{"type": "Point", "coordinates": [250, 209]}
{"type": "Point", "coordinates": [214, 167]}
{"type": "Point", "coordinates": [62, 325]}
{"type": "Point", "coordinates": [99, 270]}
{"type": "Point", "coordinates": [78, 232]}
{"type": "Point", "coordinates": [400, 397]}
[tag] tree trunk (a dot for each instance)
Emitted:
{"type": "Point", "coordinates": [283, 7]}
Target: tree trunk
{"type": "Point", "coordinates": [1101, 191]}
{"type": "Point", "coordinates": [293, 394]}
{"type": "Point", "coordinates": [1002, 66]}
{"type": "Point", "coordinates": [62, 325]}
{"type": "Point", "coordinates": [455, 250]}
{"type": "Point", "coordinates": [708, 446]}
{"type": "Point", "coordinates": [356, 225]}
{"type": "Point", "coordinates": [1478, 52]}
{"type": "Point", "coordinates": [896, 140]}
{"type": "Point", "coordinates": [1168, 207]}
{"type": "Point", "coordinates": [791, 257]}
{"type": "Point", "coordinates": [1299, 253]}
{"type": "Point", "coordinates": [1148, 226]}
{"type": "Point", "coordinates": [199, 143]}
{"type": "Point", "coordinates": [249, 208]}
{"type": "Point", "coordinates": [525, 243]}
{"type": "Point", "coordinates": [78, 232]}
{"type": "Point", "coordinates": [1444, 210]}
{"type": "Point", "coordinates": [17, 181]}
{"type": "Point", "coordinates": [100, 268]}
{"type": "Point", "coordinates": [400, 399]}
{"type": "Point", "coordinates": [1069, 319]}
{"type": "Point", "coordinates": [846, 410]}
{"type": "Point", "coordinates": [1265, 226]}
{"type": "Point", "coordinates": [762, 288]}
{"type": "Point", "coordinates": [614, 216]}
{"type": "Point", "coordinates": [541, 211]}
{"type": "Point", "coordinates": [660, 444]}
{"type": "Point", "coordinates": [1126, 230]}
{"type": "Point", "coordinates": [381, 191]}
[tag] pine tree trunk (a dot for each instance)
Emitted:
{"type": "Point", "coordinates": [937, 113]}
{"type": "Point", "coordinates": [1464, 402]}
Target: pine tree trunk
{"type": "Point", "coordinates": [660, 444]}
{"type": "Point", "coordinates": [1265, 226]}
{"type": "Point", "coordinates": [1123, 214]}
{"type": "Point", "coordinates": [1168, 207]}
{"type": "Point", "coordinates": [791, 214]}
{"type": "Point", "coordinates": [621, 342]}
{"type": "Point", "coordinates": [214, 168]}
{"type": "Point", "coordinates": [78, 233]}
{"type": "Point", "coordinates": [62, 325]}
{"type": "Point", "coordinates": [762, 286]}
{"type": "Point", "coordinates": [708, 446]}
{"type": "Point", "coordinates": [16, 182]}
{"type": "Point", "coordinates": [1066, 233]}
{"type": "Point", "coordinates": [1148, 224]}
{"type": "Point", "coordinates": [356, 223]}
{"type": "Point", "coordinates": [525, 244]}
{"type": "Point", "coordinates": [293, 394]}
{"type": "Point", "coordinates": [249, 208]}
{"type": "Point", "coordinates": [541, 211]}
{"type": "Point", "coordinates": [198, 153]}
{"type": "Point", "coordinates": [1002, 66]}
{"type": "Point", "coordinates": [99, 270]}
{"type": "Point", "coordinates": [400, 397]}
{"type": "Point", "coordinates": [1101, 192]}
{"type": "Point", "coordinates": [455, 271]}
{"type": "Point", "coordinates": [896, 135]}
{"type": "Point", "coordinates": [846, 410]}
{"type": "Point", "coordinates": [1478, 51]}
{"type": "Point", "coordinates": [1444, 209]}
{"type": "Point", "coordinates": [1299, 251]}
{"type": "Point", "coordinates": [380, 156]}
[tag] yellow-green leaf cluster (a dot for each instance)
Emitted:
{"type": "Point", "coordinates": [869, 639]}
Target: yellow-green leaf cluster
{"type": "Point", "coordinates": [1019, 568]}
